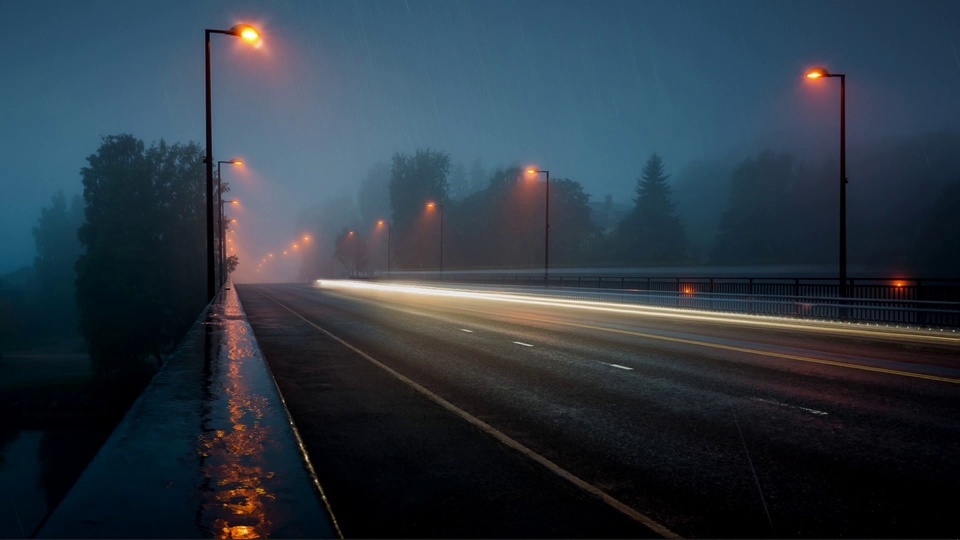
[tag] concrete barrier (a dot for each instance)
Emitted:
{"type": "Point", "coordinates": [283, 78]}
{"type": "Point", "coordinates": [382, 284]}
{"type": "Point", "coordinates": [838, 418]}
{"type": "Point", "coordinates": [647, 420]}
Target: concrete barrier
{"type": "Point", "coordinates": [208, 450]}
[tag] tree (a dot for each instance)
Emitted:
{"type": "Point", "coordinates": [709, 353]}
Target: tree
{"type": "Point", "coordinates": [651, 233]}
{"type": "Point", "coordinates": [233, 261]}
{"type": "Point", "coordinates": [503, 225]}
{"type": "Point", "coordinates": [415, 180]}
{"type": "Point", "coordinates": [573, 235]}
{"type": "Point", "coordinates": [458, 182]}
{"type": "Point", "coordinates": [58, 248]}
{"type": "Point", "coordinates": [351, 251]}
{"type": "Point", "coordinates": [478, 177]}
{"type": "Point", "coordinates": [322, 221]}
{"type": "Point", "coordinates": [140, 283]}
{"type": "Point", "coordinates": [373, 196]}
{"type": "Point", "coordinates": [759, 223]}
{"type": "Point", "coordinates": [699, 189]}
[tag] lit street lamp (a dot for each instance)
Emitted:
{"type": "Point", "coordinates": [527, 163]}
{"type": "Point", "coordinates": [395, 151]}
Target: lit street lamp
{"type": "Point", "coordinates": [432, 205]}
{"type": "Point", "coordinates": [250, 35]}
{"type": "Point", "coordinates": [223, 234]}
{"type": "Point", "coordinates": [817, 73]}
{"type": "Point", "coordinates": [546, 227]}
{"type": "Point", "coordinates": [386, 224]}
{"type": "Point", "coordinates": [223, 275]}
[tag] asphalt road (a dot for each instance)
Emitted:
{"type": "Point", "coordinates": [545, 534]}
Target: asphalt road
{"type": "Point", "coordinates": [433, 414]}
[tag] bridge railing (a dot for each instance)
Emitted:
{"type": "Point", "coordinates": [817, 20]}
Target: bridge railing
{"type": "Point", "coordinates": [918, 302]}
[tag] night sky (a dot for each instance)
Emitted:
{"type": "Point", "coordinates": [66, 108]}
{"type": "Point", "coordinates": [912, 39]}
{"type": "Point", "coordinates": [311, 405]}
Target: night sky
{"type": "Point", "coordinates": [587, 89]}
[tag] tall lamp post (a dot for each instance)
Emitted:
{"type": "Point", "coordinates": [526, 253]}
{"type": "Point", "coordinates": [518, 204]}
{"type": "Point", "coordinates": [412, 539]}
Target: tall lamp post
{"type": "Point", "coordinates": [817, 73]}
{"type": "Point", "coordinates": [223, 276]}
{"type": "Point", "coordinates": [546, 227]}
{"type": "Point", "coordinates": [386, 225]}
{"type": "Point", "coordinates": [250, 35]}
{"type": "Point", "coordinates": [432, 205]}
{"type": "Point", "coordinates": [223, 235]}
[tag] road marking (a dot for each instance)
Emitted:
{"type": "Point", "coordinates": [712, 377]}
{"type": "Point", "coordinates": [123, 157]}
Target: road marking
{"type": "Point", "coordinates": [752, 351]}
{"type": "Point", "coordinates": [500, 436]}
{"type": "Point", "coordinates": [618, 366]}
{"type": "Point", "coordinates": [789, 406]}
{"type": "Point", "coordinates": [522, 343]}
{"type": "Point", "coordinates": [467, 331]}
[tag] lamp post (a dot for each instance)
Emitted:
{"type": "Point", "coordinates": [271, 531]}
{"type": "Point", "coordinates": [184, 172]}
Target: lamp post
{"type": "Point", "coordinates": [817, 73]}
{"type": "Point", "coordinates": [386, 224]}
{"type": "Point", "coordinates": [353, 237]}
{"type": "Point", "coordinates": [546, 227]}
{"type": "Point", "coordinates": [248, 34]}
{"type": "Point", "coordinates": [223, 234]}
{"type": "Point", "coordinates": [223, 276]}
{"type": "Point", "coordinates": [432, 205]}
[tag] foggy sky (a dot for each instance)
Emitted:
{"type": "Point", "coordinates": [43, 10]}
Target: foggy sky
{"type": "Point", "coordinates": [586, 89]}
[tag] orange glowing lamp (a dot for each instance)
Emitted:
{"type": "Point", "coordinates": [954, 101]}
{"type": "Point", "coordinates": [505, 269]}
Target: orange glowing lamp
{"type": "Point", "coordinates": [246, 33]}
{"type": "Point", "coordinates": [817, 73]}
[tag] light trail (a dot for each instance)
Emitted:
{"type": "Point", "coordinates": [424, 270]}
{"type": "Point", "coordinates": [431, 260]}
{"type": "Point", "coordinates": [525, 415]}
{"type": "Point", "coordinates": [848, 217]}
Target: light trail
{"type": "Point", "coordinates": [759, 321]}
{"type": "Point", "coordinates": [629, 511]}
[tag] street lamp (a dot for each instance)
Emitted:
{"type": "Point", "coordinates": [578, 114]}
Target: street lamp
{"type": "Point", "coordinates": [431, 205]}
{"type": "Point", "coordinates": [223, 275]}
{"type": "Point", "coordinates": [250, 35]}
{"type": "Point", "coordinates": [817, 73]}
{"type": "Point", "coordinates": [223, 232]}
{"type": "Point", "coordinates": [386, 224]}
{"type": "Point", "coordinates": [546, 227]}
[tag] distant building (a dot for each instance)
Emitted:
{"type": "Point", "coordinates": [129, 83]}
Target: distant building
{"type": "Point", "coordinates": [607, 214]}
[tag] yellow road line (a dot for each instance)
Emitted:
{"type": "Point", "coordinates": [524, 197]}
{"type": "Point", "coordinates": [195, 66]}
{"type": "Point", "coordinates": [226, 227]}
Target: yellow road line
{"type": "Point", "coordinates": [500, 436]}
{"type": "Point", "coordinates": [752, 351]}
{"type": "Point", "coordinates": [713, 345]}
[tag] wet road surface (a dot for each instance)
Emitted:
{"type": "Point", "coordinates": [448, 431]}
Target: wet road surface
{"type": "Point", "coordinates": [697, 427]}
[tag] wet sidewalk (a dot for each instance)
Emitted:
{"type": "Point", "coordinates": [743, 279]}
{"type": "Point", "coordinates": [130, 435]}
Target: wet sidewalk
{"type": "Point", "coordinates": [207, 450]}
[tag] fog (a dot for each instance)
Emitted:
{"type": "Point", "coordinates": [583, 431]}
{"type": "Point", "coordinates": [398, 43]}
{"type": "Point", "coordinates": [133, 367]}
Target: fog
{"type": "Point", "coordinates": [671, 136]}
{"type": "Point", "coordinates": [587, 90]}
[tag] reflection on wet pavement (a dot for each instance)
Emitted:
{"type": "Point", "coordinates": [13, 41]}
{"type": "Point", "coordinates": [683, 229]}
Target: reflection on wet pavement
{"type": "Point", "coordinates": [208, 450]}
{"type": "Point", "coordinates": [234, 439]}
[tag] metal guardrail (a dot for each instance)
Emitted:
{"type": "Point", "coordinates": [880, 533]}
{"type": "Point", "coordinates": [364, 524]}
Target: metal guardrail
{"type": "Point", "coordinates": [916, 302]}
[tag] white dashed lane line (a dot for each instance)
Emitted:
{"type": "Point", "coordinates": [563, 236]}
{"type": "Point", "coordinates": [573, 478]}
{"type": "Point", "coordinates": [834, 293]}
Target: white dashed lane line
{"type": "Point", "coordinates": [618, 366]}
{"type": "Point", "coordinates": [467, 331]}
{"type": "Point", "coordinates": [523, 344]}
{"type": "Point", "coordinates": [789, 406]}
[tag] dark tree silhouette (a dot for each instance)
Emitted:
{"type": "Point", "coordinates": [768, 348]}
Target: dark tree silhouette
{"type": "Point", "coordinates": [351, 251]}
{"type": "Point", "coordinates": [758, 226]}
{"type": "Point", "coordinates": [373, 197]}
{"type": "Point", "coordinates": [233, 261]}
{"type": "Point", "coordinates": [140, 282]}
{"type": "Point", "coordinates": [502, 226]}
{"type": "Point", "coordinates": [415, 180]}
{"type": "Point", "coordinates": [652, 233]}
{"type": "Point", "coordinates": [58, 248]}
{"type": "Point", "coordinates": [322, 221]}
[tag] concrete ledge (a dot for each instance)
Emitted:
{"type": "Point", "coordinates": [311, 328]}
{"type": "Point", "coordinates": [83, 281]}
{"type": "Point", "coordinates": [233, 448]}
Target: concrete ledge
{"type": "Point", "coordinates": [206, 451]}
